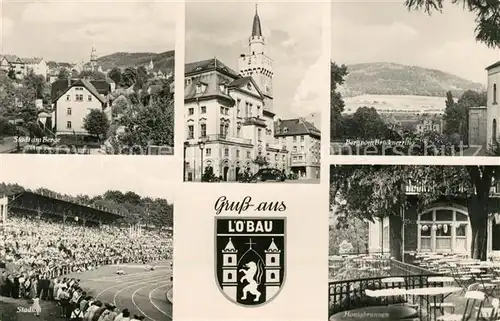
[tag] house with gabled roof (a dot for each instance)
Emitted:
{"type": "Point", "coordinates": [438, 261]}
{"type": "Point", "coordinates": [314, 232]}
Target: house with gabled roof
{"type": "Point", "coordinates": [73, 100]}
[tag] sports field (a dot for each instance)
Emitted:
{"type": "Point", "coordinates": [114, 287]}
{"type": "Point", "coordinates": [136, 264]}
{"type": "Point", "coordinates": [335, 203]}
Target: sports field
{"type": "Point", "coordinates": [142, 292]}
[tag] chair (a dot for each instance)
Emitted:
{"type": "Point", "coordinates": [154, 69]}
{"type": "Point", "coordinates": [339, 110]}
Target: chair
{"type": "Point", "coordinates": [492, 312]}
{"type": "Point", "coordinates": [445, 280]}
{"type": "Point", "coordinates": [469, 295]}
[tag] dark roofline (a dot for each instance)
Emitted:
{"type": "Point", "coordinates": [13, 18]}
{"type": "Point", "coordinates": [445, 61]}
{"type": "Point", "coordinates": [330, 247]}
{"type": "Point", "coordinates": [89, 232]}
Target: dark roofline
{"type": "Point", "coordinates": [76, 83]}
{"type": "Point", "coordinates": [210, 97]}
{"type": "Point", "coordinates": [496, 64]}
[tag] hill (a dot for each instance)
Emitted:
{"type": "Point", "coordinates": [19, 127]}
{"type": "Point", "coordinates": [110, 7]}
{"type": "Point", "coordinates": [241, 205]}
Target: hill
{"type": "Point", "coordinates": [395, 79]}
{"type": "Point", "coordinates": [163, 61]}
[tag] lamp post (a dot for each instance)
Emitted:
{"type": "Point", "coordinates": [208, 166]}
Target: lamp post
{"type": "Point", "coordinates": [202, 147]}
{"type": "Point", "coordinates": [186, 145]}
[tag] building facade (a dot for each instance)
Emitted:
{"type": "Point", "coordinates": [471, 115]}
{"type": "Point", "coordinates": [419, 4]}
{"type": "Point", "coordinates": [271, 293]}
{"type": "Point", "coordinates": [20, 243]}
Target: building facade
{"type": "Point", "coordinates": [74, 102]}
{"type": "Point", "coordinates": [229, 116]}
{"type": "Point", "coordinates": [478, 123]}
{"type": "Point", "coordinates": [429, 125]}
{"type": "Point", "coordinates": [442, 227]}
{"type": "Point", "coordinates": [302, 140]}
{"type": "Point", "coordinates": [493, 109]}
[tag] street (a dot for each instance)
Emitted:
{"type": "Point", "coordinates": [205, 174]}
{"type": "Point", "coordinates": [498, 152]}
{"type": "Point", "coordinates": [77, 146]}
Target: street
{"type": "Point", "coordinates": [8, 145]}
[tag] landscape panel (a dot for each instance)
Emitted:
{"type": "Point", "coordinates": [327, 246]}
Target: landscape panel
{"type": "Point", "coordinates": [97, 82]}
{"type": "Point", "coordinates": [416, 91]}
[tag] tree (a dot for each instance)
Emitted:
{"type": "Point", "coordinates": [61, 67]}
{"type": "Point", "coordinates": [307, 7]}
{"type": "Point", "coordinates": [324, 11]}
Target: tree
{"type": "Point", "coordinates": [150, 125]}
{"type": "Point", "coordinates": [337, 104]}
{"type": "Point", "coordinates": [487, 16]}
{"type": "Point", "coordinates": [261, 161]}
{"type": "Point", "coordinates": [116, 75]}
{"type": "Point", "coordinates": [142, 77]}
{"type": "Point", "coordinates": [120, 106]}
{"type": "Point", "coordinates": [369, 192]}
{"type": "Point", "coordinates": [129, 76]}
{"type": "Point", "coordinates": [96, 123]}
{"type": "Point", "coordinates": [36, 83]}
{"type": "Point", "coordinates": [456, 115]}
{"type": "Point", "coordinates": [92, 75]}
{"type": "Point", "coordinates": [450, 102]}
{"type": "Point", "coordinates": [63, 74]}
{"type": "Point", "coordinates": [11, 74]}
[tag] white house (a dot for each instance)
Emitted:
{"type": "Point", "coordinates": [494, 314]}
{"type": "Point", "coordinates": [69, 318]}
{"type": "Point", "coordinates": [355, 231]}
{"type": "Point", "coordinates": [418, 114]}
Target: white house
{"type": "Point", "coordinates": [74, 103]}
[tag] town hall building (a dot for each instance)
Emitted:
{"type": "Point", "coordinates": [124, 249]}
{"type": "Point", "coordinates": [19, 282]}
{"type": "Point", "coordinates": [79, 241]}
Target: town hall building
{"type": "Point", "coordinates": [230, 123]}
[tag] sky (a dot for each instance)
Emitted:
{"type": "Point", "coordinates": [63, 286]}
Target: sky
{"type": "Point", "coordinates": [376, 31]}
{"type": "Point", "coordinates": [293, 35]}
{"type": "Point", "coordinates": [145, 175]}
{"type": "Point", "coordinates": [66, 31]}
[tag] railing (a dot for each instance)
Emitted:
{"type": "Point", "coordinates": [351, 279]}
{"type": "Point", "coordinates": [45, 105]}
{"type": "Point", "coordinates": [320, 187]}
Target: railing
{"type": "Point", "coordinates": [350, 294]}
{"type": "Point", "coordinates": [423, 188]}
{"type": "Point", "coordinates": [219, 137]}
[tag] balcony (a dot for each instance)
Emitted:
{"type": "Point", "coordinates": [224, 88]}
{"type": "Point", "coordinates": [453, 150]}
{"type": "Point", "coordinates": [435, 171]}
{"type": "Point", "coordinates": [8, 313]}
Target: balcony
{"type": "Point", "coordinates": [225, 138]}
{"type": "Point", "coordinates": [254, 121]}
{"type": "Point", "coordinates": [412, 189]}
{"type": "Point", "coordinates": [275, 146]}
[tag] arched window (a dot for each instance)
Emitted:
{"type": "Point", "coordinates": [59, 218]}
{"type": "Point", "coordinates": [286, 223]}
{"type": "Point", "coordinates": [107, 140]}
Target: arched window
{"type": "Point", "coordinates": [494, 134]}
{"type": "Point", "coordinates": [272, 276]}
{"type": "Point", "coordinates": [273, 259]}
{"type": "Point", "coordinates": [230, 276]}
{"type": "Point", "coordinates": [229, 260]}
{"type": "Point", "coordinates": [443, 230]}
{"type": "Point", "coordinates": [494, 94]}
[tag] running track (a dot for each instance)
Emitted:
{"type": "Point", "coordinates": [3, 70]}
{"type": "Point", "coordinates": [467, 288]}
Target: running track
{"type": "Point", "coordinates": [142, 292]}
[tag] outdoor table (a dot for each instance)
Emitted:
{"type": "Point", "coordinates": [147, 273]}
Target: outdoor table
{"type": "Point", "coordinates": [385, 292]}
{"type": "Point", "coordinates": [434, 292]}
{"type": "Point", "coordinates": [378, 313]}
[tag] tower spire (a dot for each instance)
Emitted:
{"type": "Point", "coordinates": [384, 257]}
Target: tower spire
{"type": "Point", "coordinates": [256, 28]}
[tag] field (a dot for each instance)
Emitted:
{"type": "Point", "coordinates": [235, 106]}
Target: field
{"type": "Point", "coordinates": [142, 292]}
{"type": "Point", "coordinates": [396, 103]}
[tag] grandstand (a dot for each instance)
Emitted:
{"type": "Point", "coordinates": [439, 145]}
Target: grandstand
{"type": "Point", "coordinates": [46, 237]}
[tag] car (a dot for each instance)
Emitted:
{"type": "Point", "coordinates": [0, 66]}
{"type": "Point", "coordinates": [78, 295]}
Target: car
{"type": "Point", "coordinates": [268, 174]}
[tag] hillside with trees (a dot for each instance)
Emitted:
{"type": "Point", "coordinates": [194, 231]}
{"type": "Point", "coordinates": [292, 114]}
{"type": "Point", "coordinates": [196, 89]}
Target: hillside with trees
{"type": "Point", "coordinates": [163, 61]}
{"type": "Point", "coordinates": [137, 209]}
{"type": "Point", "coordinates": [395, 79]}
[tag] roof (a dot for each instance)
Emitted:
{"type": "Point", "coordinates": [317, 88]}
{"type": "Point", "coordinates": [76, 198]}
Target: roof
{"type": "Point", "coordinates": [93, 90]}
{"type": "Point", "coordinates": [273, 247]}
{"type": "Point", "coordinates": [31, 61]}
{"type": "Point", "coordinates": [244, 81]}
{"type": "Point", "coordinates": [229, 247]}
{"type": "Point", "coordinates": [496, 64]}
{"type": "Point", "coordinates": [61, 86]}
{"type": "Point", "coordinates": [11, 58]}
{"type": "Point", "coordinates": [256, 28]}
{"type": "Point", "coordinates": [208, 65]}
{"type": "Point", "coordinates": [296, 126]}
{"type": "Point", "coordinates": [212, 84]}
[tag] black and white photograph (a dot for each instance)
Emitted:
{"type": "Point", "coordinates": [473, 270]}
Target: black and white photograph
{"type": "Point", "coordinates": [414, 78]}
{"type": "Point", "coordinates": [93, 78]}
{"type": "Point", "coordinates": [252, 104]}
{"type": "Point", "coordinates": [414, 241]}
{"type": "Point", "coordinates": [97, 246]}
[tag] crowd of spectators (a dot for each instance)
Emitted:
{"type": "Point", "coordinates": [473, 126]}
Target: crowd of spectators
{"type": "Point", "coordinates": [37, 254]}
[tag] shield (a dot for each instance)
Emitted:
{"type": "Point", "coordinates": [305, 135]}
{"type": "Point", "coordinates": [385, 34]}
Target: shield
{"type": "Point", "coordinates": [250, 258]}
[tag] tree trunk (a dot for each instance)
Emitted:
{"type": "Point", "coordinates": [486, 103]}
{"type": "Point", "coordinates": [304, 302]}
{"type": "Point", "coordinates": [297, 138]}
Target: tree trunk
{"type": "Point", "coordinates": [395, 237]}
{"type": "Point", "coordinates": [478, 217]}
